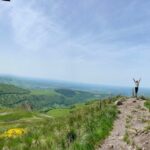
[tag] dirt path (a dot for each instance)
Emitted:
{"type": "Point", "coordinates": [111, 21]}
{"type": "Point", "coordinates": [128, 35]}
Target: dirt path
{"type": "Point", "coordinates": [132, 128]}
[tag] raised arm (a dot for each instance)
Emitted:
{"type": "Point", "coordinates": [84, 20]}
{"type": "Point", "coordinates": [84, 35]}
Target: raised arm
{"type": "Point", "coordinates": [134, 80]}
{"type": "Point", "coordinates": [139, 80]}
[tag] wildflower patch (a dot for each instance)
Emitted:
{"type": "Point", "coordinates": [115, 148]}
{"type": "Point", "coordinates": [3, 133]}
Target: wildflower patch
{"type": "Point", "coordinates": [15, 132]}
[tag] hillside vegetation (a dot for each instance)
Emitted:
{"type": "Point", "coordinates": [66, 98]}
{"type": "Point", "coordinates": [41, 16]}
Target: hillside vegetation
{"type": "Point", "coordinates": [43, 99]}
{"type": "Point", "coordinates": [147, 104]}
{"type": "Point", "coordinates": [11, 89]}
{"type": "Point", "coordinates": [80, 127]}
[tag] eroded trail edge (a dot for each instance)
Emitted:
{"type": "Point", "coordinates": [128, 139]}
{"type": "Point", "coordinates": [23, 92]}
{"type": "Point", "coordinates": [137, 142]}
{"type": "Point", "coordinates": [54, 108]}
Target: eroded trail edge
{"type": "Point", "coordinates": [131, 129]}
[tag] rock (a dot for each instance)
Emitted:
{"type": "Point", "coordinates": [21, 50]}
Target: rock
{"type": "Point", "coordinates": [143, 109]}
{"type": "Point", "coordinates": [119, 112]}
{"type": "Point", "coordinates": [131, 148]}
{"type": "Point", "coordinates": [146, 142]}
{"type": "Point", "coordinates": [121, 138]}
{"type": "Point", "coordinates": [118, 102]}
{"type": "Point", "coordinates": [117, 134]}
{"type": "Point", "coordinates": [134, 101]}
{"type": "Point", "coordinates": [111, 146]}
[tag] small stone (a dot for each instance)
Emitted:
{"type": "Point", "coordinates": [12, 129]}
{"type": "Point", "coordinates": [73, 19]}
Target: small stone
{"type": "Point", "coordinates": [146, 142]}
{"type": "Point", "coordinates": [130, 148]}
{"type": "Point", "coordinates": [117, 134]}
{"type": "Point", "coordinates": [121, 138]}
{"type": "Point", "coordinates": [118, 103]}
{"type": "Point", "coordinates": [111, 146]}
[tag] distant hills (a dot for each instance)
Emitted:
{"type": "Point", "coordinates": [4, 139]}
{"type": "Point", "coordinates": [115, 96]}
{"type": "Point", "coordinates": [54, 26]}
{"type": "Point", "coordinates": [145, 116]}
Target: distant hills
{"type": "Point", "coordinates": [32, 83]}
{"type": "Point", "coordinates": [11, 89]}
{"type": "Point", "coordinates": [43, 99]}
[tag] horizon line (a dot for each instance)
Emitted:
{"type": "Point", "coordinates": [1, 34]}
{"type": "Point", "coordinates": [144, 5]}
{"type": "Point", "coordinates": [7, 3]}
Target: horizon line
{"type": "Point", "coordinates": [68, 81]}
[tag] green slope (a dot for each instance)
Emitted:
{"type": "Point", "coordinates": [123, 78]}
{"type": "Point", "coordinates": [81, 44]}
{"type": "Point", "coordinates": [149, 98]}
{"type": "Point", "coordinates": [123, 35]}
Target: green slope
{"type": "Point", "coordinates": [81, 127]}
{"type": "Point", "coordinates": [11, 89]}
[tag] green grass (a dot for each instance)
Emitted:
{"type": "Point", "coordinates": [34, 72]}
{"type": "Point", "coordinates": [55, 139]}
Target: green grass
{"type": "Point", "coordinates": [80, 127]}
{"type": "Point", "coordinates": [126, 138]}
{"type": "Point", "coordinates": [59, 112]}
{"type": "Point", "coordinates": [11, 89]}
{"type": "Point", "coordinates": [63, 112]}
{"type": "Point", "coordinates": [15, 116]}
{"type": "Point", "coordinates": [147, 104]}
{"type": "Point", "coordinates": [48, 92]}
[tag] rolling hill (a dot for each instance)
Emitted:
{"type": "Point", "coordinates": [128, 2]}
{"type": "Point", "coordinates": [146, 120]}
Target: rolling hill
{"type": "Point", "coordinates": [43, 99]}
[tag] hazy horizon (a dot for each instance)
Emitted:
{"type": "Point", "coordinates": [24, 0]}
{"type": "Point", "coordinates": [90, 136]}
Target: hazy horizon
{"type": "Point", "coordinates": [90, 41]}
{"type": "Point", "coordinates": [28, 78]}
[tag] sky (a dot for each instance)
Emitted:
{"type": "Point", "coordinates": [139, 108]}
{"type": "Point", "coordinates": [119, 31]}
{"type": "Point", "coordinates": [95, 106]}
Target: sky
{"type": "Point", "coordinates": [89, 41]}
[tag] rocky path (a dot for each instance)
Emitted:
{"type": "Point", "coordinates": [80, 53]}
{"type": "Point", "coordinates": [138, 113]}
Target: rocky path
{"type": "Point", "coordinates": [132, 128]}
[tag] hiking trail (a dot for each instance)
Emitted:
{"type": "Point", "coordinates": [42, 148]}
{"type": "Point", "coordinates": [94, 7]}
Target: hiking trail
{"type": "Point", "coordinates": [131, 128]}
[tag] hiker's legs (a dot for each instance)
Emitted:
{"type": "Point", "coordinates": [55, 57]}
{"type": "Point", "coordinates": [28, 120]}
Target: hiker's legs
{"type": "Point", "coordinates": [136, 91]}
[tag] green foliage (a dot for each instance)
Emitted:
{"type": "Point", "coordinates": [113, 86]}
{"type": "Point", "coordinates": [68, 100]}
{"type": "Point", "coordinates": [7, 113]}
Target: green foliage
{"type": "Point", "coordinates": [15, 116]}
{"type": "Point", "coordinates": [11, 89]}
{"type": "Point", "coordinates": [79, 128]}
{"type": "Point", "coordinates": [143, 97]}
{"type": "Point", "coordinates": [147, 104]}
{"type": "Point", "coordinates": [66, 92]}
{"type": "Point", "coordinates": [59, 112]}
{"type": "Point", "coordinates": [41, 99]}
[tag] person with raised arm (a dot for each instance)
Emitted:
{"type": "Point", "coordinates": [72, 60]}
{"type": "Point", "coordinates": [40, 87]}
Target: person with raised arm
{"type": "Point", "coordinates": [137, 83]}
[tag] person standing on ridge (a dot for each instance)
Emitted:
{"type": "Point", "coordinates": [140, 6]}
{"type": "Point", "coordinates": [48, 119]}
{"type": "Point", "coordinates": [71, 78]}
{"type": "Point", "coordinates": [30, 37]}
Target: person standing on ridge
{"type": "Point", "coordinates": [137, 83]}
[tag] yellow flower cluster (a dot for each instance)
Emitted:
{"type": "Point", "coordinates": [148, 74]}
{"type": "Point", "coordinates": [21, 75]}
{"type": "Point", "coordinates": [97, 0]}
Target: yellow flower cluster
{"type": "Point", "coordinates": [13, 132]}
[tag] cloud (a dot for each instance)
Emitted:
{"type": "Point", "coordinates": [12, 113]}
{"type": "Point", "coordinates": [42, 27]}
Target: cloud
{"type": "Point", "coordinates": [33, 29]}
{"type": "Point", "coordinates": [88, 40]}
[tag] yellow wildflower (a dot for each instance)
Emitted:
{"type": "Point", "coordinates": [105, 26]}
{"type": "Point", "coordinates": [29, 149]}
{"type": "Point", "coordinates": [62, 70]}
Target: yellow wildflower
{"type": "Point", "coordinates": [13, 132]}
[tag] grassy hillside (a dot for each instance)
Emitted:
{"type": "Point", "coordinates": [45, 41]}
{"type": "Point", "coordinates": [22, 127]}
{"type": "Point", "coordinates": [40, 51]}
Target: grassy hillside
{"type": "Point", "coordinates": [11, 89]}
{"type": "Point", "coordinates": [43, 99]}
{"type": "Point", "coordinates": [80, 127]}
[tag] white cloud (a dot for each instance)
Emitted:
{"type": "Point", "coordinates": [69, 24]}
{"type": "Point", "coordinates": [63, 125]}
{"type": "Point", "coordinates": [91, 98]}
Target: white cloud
{"type": "Point", "coordinates": [89, 41]}
{"type": "Point", "coordinates": [33, 29]}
